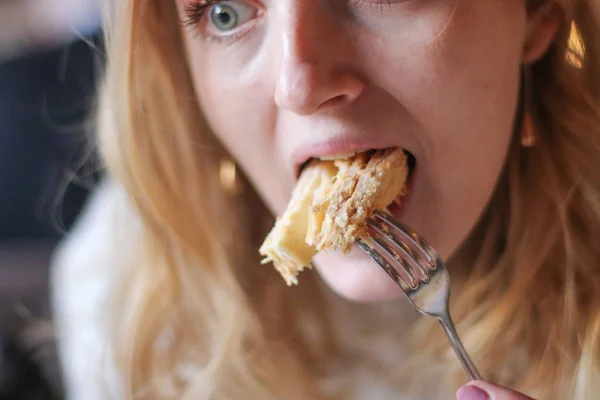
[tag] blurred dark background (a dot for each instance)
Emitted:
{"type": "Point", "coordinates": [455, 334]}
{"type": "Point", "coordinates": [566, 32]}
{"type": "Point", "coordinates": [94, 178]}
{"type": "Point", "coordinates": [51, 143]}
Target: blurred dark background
{"type": "Point", "coordinates": [48, 83]}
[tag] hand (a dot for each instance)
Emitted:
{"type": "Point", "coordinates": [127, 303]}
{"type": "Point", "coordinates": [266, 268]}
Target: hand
{"type": "Point", "coordinates": [479, 390]}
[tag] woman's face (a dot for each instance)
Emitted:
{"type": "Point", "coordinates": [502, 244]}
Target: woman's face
{"type": "Point", "coordinates": [283, 80]}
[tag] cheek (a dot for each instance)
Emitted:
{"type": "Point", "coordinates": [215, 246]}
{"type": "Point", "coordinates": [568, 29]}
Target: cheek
{"type": "Point", "coordinates": [463, 95]}
{"type": "Point", "coordinates": [238, 108]}
{"type": "Point", "coordinates": [454, 76]}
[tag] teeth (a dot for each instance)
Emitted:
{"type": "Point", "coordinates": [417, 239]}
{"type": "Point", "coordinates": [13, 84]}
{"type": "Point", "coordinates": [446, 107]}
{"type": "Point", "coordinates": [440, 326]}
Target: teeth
{"type": "Point", "coordinates": [343, 156]}
{"type": "Point", "coordinates": [340, 156]}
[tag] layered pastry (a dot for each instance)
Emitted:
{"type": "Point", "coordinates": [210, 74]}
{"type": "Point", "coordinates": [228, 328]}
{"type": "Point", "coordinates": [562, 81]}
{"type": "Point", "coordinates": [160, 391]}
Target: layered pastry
{"type": "Point", "coordinates": [329, 207]}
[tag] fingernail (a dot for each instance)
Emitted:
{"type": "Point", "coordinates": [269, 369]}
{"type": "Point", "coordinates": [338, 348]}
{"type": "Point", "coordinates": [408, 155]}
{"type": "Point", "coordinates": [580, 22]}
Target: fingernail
{"type": "Point", "coordinates": [471, 393]}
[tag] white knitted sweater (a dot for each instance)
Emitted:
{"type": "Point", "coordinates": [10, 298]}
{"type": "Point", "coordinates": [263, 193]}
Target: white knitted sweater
{"type": "Point", "coordinates": [87, 265]}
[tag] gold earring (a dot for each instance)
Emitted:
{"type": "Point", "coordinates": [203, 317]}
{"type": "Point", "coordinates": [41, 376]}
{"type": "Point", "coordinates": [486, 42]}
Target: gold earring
{"type": "Point", "coordinates": [528, 133]}
{"type": "Point", "coordinates": [528, 137]}
{"type": "Point", "coordinates": [228, 176]}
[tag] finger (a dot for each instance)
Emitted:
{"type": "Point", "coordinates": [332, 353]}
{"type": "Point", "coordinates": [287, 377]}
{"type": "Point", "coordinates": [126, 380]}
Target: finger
{"type": "Point", "coordinates": [479, 390]}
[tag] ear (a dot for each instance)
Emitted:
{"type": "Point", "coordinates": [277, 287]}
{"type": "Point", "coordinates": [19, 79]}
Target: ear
{"type": "Point", "coordinates": [543, 23]}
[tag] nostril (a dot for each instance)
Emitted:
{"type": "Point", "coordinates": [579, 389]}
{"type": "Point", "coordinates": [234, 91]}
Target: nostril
{"type": "Point", "coordinates": [335, 101]}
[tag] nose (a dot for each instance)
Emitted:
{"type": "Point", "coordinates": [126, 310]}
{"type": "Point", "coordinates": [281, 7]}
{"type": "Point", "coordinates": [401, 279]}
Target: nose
{"type": "Point", "coordinates": [316, 68]}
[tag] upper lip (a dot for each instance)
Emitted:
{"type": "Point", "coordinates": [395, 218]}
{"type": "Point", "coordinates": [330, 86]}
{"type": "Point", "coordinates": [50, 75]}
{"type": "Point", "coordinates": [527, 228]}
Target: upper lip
{"type": "Point", "coordinates": [333, 147]}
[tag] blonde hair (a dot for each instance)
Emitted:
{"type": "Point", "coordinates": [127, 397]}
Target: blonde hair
{"type": "Point", "coordinates": [199, 319]}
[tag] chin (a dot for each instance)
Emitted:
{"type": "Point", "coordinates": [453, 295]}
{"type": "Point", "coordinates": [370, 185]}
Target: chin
{"type": "Point", "coordinates": [355, 276]}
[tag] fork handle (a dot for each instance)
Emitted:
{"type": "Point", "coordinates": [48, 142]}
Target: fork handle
{"type": "Point", "coordinates": [458, 347]}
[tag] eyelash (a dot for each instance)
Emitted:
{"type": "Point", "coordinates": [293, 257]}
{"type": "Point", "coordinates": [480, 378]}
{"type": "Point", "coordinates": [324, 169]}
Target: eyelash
{"type": "Point", "coordinates": [374, 5]}
{"type": "Point", "coordinates": [195, 10]}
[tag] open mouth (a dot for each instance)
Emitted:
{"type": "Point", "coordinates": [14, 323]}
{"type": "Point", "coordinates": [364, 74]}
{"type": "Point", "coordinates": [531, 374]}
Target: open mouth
{"type": "Point", "coordinates": [331, 202]}
{"type": "Point", "coordinates": [411, 161]}
{"type": "Point", "coordinates": [397, 205]}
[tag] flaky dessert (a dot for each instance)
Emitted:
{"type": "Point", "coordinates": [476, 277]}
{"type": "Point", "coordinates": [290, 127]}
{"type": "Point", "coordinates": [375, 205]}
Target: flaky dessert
{"type": "Point", "coordinates": [330, 205]}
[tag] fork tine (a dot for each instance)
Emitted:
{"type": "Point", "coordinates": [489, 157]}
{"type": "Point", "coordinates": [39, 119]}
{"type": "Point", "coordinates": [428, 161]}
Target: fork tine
{"type": "Point", "coordinates": [409, 259]}
{"type": "Point", "coordinates": [406, 268]}
{"type": "Point", "coordinates": [410, 249]}
{"type": "Point", "coordinates": [384, 264]}
{"type": "Point", "coordinates": [418, 239]}
{"type": "Point", "coordinates": [425, 254]}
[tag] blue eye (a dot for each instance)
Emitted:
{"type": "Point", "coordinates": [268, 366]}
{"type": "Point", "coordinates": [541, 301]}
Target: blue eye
{"type": "Point", "coordinates": [228, 15]}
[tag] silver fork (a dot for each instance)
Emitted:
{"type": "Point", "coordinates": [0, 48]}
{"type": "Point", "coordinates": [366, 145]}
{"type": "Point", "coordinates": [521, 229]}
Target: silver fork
{"type": "Point", "coordinates": [418, 271]}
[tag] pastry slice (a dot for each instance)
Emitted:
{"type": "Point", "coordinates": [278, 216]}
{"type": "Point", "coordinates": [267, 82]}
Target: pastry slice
{"type": "Point", "coordinates": [329, 207]}
{"type": "Point", "coordinates": [286, 246]}
{"type": "Point", "coordinates": [362, 185]}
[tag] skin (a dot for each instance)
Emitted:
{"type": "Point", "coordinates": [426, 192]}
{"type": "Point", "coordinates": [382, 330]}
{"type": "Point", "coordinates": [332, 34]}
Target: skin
{"type": "Point", "coordinates": [478, 390]}
{"type": "Point", "coordinates": [439, 78]}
